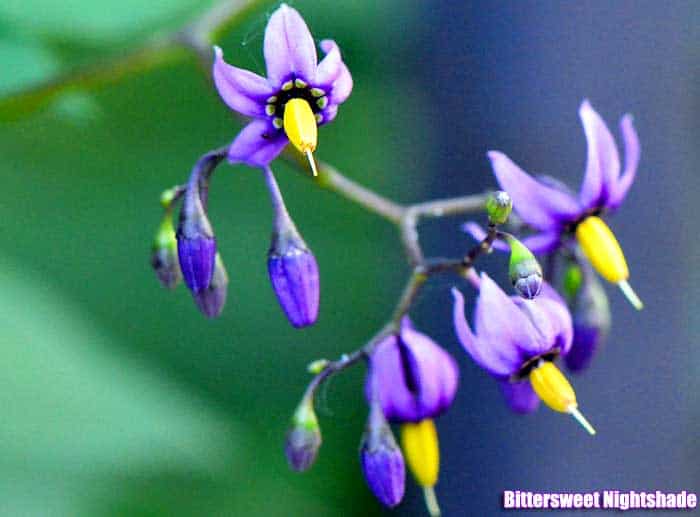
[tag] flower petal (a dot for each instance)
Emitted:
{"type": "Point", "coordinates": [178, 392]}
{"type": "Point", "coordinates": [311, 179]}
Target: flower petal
{"type": "Point", "coordinates": [257, 144]}
{"type": "Point", "coordinates": [603, 161]}
{"type": "Point", "coordinates": [632, 152]}
{"type": "Point", "coordinates": [330, 66]}
{"type": "Point", "coordinates": [539, 205]}
{"type": "Point", "coordinates": [519, 396]}
{"type": "Point", "coordinates": [288, 47]}
{"type": "Point", "coordinates": [551, 319]}
{"type": "Point", "coordinates": [243, 91]}
{"type": "Point", "coordinates": [543, 243]}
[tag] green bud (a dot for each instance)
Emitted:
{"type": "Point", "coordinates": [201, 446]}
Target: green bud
{"type": "Point", "coordinates": [315, 367]}
{"type": "Point", "coordinates": [524, 270]}
{"type": "Point", "coordinates": [573, 278]}
{"type": "Point", "coordinates": [498, 207]}
{"type": "Point", "coordinates": [303, 437]}
{"type": "Point", "coordinates": [164, 254]}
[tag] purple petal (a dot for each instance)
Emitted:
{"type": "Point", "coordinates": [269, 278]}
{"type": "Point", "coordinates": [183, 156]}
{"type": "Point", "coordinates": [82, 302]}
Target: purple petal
{"type": "Point", "coordinates": [288, 47]}
{"type": "Point", "coordinates": [539, 205]}
{"type": "Point", "coordinates": [551, 320]}
{"type": "Point", "coordinates": [482, 353]}
{"type": "Point", "coordinates": [330, 66]}
{"type": "Point", "coordinates": [479, 234]}
{"type": "Point", "coordinates": [519, 396]}
{"type": "Point", "coordinates": [329, 114]}
{"type": "Point", "coordinates": [632, 151]}
{"type": "Point", "coordinates": [257, 144]}
{"type": "Point", "coordinates": [586, 342]}
{"type": "Point", "coordinates": [603, 161]}
{"type": "Point", "coordinates": [543, 243]}
{"type": "Point", "coordinates": [243, 91]}
{"type": "Point", "coordinates": [342, 87]}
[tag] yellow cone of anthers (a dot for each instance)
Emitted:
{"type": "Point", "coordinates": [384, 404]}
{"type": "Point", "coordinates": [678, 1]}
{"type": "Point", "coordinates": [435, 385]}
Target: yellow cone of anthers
{"type": "Point", "coordinates": [555, 391]}
{"type": "Point", "coordinates": [603, 251]}
{"type": "Point", "coordinates": [300, 127]}
{"type": "Point", "coordinates": [419, 442]}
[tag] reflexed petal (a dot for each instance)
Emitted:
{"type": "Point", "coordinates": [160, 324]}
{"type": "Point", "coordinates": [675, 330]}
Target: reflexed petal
{"type": "Point", "coordinates": [632, 151]}
{"type": "Point", "coordinates": [330, 66]}
{"type": "Point", "coordinates": [551, 318]}
{"type": "Point", "coordinates": [481, 352]}
{"type": "Point", "coordinates": [539, 205]}
{"type": "Point", "coordinates": [253, 148]}
{"type": "Point", "coordinates": [329, 114]}
{"type": "Point", "coordinates": [542, 243]}
{"type": "Point", "coordinates": [519, 396]}
{"type": "Point", "coordinates": [243, 91]}
{"type": "Point", "coordinates": [342, 87]}
{"type": "Point", "coordinates": [288, 47]}
{"type": "Point", "coordinates": [603, 161]}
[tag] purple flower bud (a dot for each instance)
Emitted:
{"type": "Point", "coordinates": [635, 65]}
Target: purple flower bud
{"type": "Point", "coordinates": [382, 461]}
{"type": "Point", "coordinates": [294, 276]}
{"type": "Point", "coordinates": [303, 438]}
{"type": "Point", "coordinates": [591, 319]}
{"type": "Point", "coordinates": [212, 299]}
{"type": "Point", "coordinates": [164, 254]}
{"type": "Point", "coordinates": [291, 265]}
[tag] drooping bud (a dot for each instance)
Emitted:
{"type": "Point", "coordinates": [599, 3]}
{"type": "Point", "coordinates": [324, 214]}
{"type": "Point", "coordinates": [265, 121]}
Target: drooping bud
{"type": "Point", "coordinates": [591, 320]}
{"type": "Point", "coordinates": [196, 244]}
{"type": "Point", "coordinates": [381, 459]}
{"type": "Point", "coordinates": [498, 207]}
{"type": "Point", "coordinates": [291, 265]}
{"type": "Point", "coordinates": [303, 437]}
{"type": "Point", "coordinates": [605, 255]}
{"type": "Point", "coordinates": [301, 129]}
{"type": "Point", "coordinates": [524, 270]}
{"type": "Point", "coordinates": [164, 254]}
{"type": "Point", "coordinates": [555, 391]}
{"type": "Point", "coordinates": [420, 446]}
{"type": "Point", "coordinates": [212, 299]}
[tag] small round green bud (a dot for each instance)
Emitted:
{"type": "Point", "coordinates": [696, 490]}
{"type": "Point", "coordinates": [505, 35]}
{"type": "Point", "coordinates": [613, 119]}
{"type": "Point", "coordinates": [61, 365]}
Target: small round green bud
{"type": "Point", "coordinates": [498, 207]}
{"type": "Point", "coordinates": [303, 437]}
{"type": "Point", "coordinates": [317, 366]}
{"type": "Point", "coordinates": [524, 270]}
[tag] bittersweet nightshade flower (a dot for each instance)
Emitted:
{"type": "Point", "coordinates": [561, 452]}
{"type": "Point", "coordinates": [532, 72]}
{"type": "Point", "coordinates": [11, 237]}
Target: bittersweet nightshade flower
{"type": "Point", "coordinates": [303, 437]}
{"type": "Point", "coordinates": [298, 94]}
{"type": "Point", "coordinates": [556, 213]}
{"type": "Point", "coordinates": [414, 380]}
{"type": "Point", "coordinates": [591, 318]}
{"type": "Point", "coordinates": [381, 459]}
{"type": "Point", "coordinates": [291, 265]}
{"type": "Point", "coordinates": [517, 339]}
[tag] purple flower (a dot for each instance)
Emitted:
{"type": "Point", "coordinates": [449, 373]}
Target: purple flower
{"type": "Point", "coordinates": [293, 72]}
{"type": "Point", "coordinates": [556, 213]}
{"type": "Point", "coordinates": [513, 335]}
{"type": "Point", "coordinates": [411, 376]}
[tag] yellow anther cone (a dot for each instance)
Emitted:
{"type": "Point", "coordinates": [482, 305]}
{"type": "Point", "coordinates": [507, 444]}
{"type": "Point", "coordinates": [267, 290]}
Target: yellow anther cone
{"type": "Point", "coordinates": [300, 127]}
{"type": "Point", "coordinates": [605, 255]}
{"type": "Point", "coordinates": [555, 391]}
{"type": "Point", "coordinates": [419, 442]}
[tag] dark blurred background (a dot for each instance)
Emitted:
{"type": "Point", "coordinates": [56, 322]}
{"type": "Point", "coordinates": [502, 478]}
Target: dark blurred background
{"type": "Point", "coordinates": [120, 399]}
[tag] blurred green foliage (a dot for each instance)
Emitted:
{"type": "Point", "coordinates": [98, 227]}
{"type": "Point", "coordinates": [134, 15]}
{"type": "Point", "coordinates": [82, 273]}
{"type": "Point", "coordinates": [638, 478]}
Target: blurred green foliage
{"type": "Point", "coordinates": [119, 397]}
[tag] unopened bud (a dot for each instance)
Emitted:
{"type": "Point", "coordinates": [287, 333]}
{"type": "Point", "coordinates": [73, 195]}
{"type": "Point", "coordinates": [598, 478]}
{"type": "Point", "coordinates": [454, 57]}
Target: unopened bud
{"type": "Point", "coordinates": [591, 318]}
{"type": "Point", "coordinates": [524, 270]}
{"type": "Point", "coordinates": [164, 254]}
{"type": "Point", "coordinates": [498, 207]}
{"type": "Point", "coordinates": [303, 438]}
{"type": "Point", "coordinates": [382, 461]}
{"type": "Point", "coordinates": [317, 366]}
{"type": "Point", "coordinates": [212, 299]}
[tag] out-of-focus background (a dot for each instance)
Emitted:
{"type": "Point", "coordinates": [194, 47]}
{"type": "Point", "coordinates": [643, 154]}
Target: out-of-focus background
{"type": "Point", "coordinates": [119, 398]}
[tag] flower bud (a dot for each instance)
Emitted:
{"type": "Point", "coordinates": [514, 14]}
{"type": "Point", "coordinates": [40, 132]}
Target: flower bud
{"type": "Point", "coordinates": [196, 245]}
{"type": "Point", "coordinates": [303, 438]}
{"type": "Point", "coordinates": [164, 254]}
{"type": "Point", "coordinates": [591, 319]}
{"type": "Point", "coordinates": [212, 299]}
{"type": "Point", "coordinates": [524, 270]}
{"type": "Point", "coordinates": [498, 207]}
{"type": "Point", "coordinates": [382, 461]}
{"type": "Point", "coordinates": [291, 265]}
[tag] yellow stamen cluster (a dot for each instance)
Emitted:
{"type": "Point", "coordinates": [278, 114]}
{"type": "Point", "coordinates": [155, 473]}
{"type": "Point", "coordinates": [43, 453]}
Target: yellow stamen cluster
{"type": "Point", "coordinates": [555, 391]}
{"type": "Point", "coordinates": [300, 127]}
{"type": "Point", "coordinates": [603, 251]}
{"type": "Point", "coordinates": [419, 442]}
